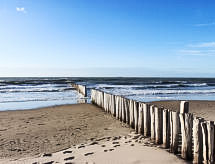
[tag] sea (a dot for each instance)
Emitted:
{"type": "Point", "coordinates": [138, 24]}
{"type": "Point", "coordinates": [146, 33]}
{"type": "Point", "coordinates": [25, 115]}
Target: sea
{"type": "Point", "coordinates": [33, 92]}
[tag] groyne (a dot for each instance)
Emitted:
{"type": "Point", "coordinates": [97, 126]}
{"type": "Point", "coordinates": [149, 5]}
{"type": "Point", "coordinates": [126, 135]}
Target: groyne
{"type": "Point", "coordinates": [81, 89]}
{"type": "Point", "coordinates": [182, 133]}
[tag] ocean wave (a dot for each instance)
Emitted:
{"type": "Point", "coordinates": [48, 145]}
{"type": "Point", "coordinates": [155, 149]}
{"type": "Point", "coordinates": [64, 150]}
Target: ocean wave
{"type": "Point", "coordinates": [35, 81]}
{"type": "Point", "coordinates": [138, 87]}
{"type": "Point", "coordinates": [131, 92]}
{"type": "Point", "coordinates": [9, 90]}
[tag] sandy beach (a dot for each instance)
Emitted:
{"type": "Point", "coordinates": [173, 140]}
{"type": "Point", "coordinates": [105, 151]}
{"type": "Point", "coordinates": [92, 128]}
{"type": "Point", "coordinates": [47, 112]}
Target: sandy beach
{"type": "Point", "coordinates": [27, 134]}
{"type": "Point", "coordinates": [204, 109]}
{"type": "Point", "coordinates": [32, 132]}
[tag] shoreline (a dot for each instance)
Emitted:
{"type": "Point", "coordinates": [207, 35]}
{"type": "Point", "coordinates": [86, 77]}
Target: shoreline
{"type": "Point", "coordinates": [159, 102]}
{"type": "Point", "coordinates": [197, 107]}
{"type": "Point", "coordinates": [42, 107]}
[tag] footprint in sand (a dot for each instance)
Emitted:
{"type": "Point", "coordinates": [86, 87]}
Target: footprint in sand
{"type": "Point", "coordinates": [115, 142]}
{"type": "Point", "coordinates": [92, 139]}
{"type": "Point", "coordinates": [69, 158]}
{"type": "Point", "coordinates": [93, 143]}
{"type": "Point", "coordinates": [116, 145]}
{"type": "Point", "coordinates": [49, 162]}
{"type": "Point", "coordinates": [82, 146]}
{"type": "Point", "coordinates": [47, 155]}
{"type": "Point", "coordinates": [66, 152]}
{"type": "Point", "coordinates": [89, 153]}
{"type": "Point", "coordinates": [103, 145]}
{"type": "Point", "coordinates": [111, 149]}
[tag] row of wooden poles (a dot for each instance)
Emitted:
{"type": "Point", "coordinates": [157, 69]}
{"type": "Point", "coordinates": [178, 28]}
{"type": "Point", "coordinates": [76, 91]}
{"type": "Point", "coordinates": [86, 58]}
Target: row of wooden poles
{"type": "Point", "coordinates": [183, 134]}
{"type": "Point", "coordinates": [81, 89]}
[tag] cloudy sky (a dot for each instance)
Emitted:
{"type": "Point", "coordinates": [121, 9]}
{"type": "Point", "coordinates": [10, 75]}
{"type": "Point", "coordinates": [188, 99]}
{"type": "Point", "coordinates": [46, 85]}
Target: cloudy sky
{"type": "Point", "coordinates": [107, 38]}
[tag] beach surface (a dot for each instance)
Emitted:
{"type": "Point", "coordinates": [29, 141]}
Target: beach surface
{"type": "Point", "coordinates": [32, 132]}
{"type": "Point", "coordinates": [204, 109]}
{"type": "Point", "coordinates": [43, 135]}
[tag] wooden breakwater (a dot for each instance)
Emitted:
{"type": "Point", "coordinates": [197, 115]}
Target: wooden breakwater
{"type": "Point", "coordinates": [181, 133]}
{"type": "Point", "coordinates": [81, 89]}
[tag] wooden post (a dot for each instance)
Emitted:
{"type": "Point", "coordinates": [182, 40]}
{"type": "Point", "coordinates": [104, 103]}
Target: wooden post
{"type": "Point", "coordinates": [127, 110]}
{"type": "Point", "coordinates": [136, 116]}
{"type": "Point", "coordinates": [131, 111]}
{"type": "Point", "coordinates": [184, 107]}
{"type": "Point", "coordinates": [108, 103]}
{"type": "Point", "coordinates": [105, 102]}
{"type": "Point", "coordinates": [146, 119]}
{"type": "Point", "coordinates": [117, 106]}
{"type": "Point", "coordinates": [210, 129]}
{"type": "Point", "coordinates": [120, 108]}
{"type": "Point", "coordinates": [140, 120]}
{"type": "Point", "coordinates": [114, 105]}
{"type": "Point", "coordinates": [197, 140]}
{"type": "Point", "coordinates": [102, 99]}
{"type": "Point", "coordinates": [208, 141]}
{"type": "Point", "coordinates": [205, 142]}
{"type": "Point", "coordinates": [158, 125]}
{"type": "Point", "coordinates": [186, 121]}
{"type": "Point", "coordinates": [123, 110]}
{"type": "Point", "coordinates": [174, 131]}
{"type": "Point", "coordinates": [166, 128]}
{"type": "Point", "coordinates": [152, 116]}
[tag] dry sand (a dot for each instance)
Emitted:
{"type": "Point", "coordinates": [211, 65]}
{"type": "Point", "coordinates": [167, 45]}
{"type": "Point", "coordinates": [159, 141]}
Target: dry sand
{"type": "Point", "coordinates": [204, 109]}
{"type": "Point", "coordinates": [32, 132]}
{"type": "Point", "coordinates": [131, 149]}
{"type": "Point", "coordinates": [27, 134]}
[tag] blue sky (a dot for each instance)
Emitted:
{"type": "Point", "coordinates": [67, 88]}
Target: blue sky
{"type": "Point", "coordinates": [107, 38]}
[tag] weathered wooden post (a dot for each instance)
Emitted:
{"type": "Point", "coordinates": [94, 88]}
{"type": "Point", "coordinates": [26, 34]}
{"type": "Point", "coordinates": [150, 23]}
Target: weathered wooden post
{"type": "Point", "coordinates": [105, 102]}
{"type": "Point", "coordinates": [120, 108]}
{"type": "Point", "coordinates": [158, 125]}
{"type": "Point", "coordinates": [95, 96]}
{"type": "Point", "coordinates": [109, 103]}
{"type": "Point", "coordinates": [152, 116]}
{"type": "Point", "coordinates": [146, 119]}
{"type": "Point", "coordinates": [210, 129]}
{"type": "Point", "coordinates": [197, 140]}
{"type": "Point", "coordinates": [131, 111]}
{"type": "Point", "coordinates": [166, 128]}
{"type": "Point", "coordinates": [102, 98]}
{"type": "Point", "coordinates": [117, 107]}
{"type": "Point", "coordinates": [186, 121]}
{"type": "Point", "coordinates": [123, 110]}
{"type": "Point", "coordinates": [140, 120]}
{"type": "Point", "coordinates": [113, 105]}
{"type": "Point", "coordinates": [127, 110]}
{"type": "Point", "coordinates": [204, 141]}
{"type": "Point", "coordinates": [184, 107]}
{"type": "Point", "coordinates": [136, 116]}
{"type": "Point", "coordinates": [174, 131]}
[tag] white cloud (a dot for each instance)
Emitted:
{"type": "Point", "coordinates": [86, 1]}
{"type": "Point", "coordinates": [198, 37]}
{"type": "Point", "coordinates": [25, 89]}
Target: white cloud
{"type": "Point", "coordinates": [204, 45]}
{"type": "Point", "coordinates": [189, 52]}
{"type": "Point", "coordinates": [205, 24]}
{"type": "Point", "coordinates": [20, 9]}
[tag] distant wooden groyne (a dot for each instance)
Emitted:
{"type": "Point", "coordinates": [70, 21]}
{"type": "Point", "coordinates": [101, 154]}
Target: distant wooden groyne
{"type": "Point", "coordinates": [81, 89]}
{"type": "Point", "coordinates": [180, 132]}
